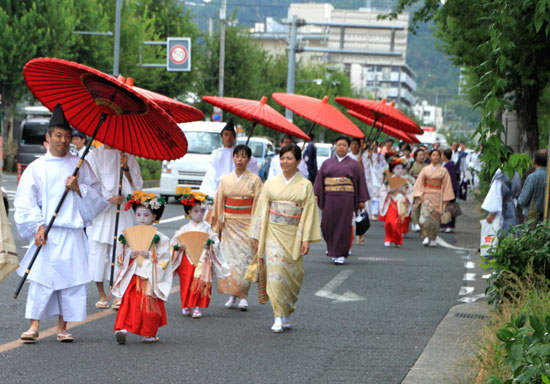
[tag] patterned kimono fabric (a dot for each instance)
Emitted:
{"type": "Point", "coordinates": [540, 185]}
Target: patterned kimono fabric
{"type": "Point", "coordinates": [235, 202]}
{"type": "Point", "coordinates": [415, 170]}
{"type": "Point", "coordinates": [433, 186]}
{"type": "Point", "coordinates": [285, 216]}
{"type": "Point", "coordinates": [340, 186]}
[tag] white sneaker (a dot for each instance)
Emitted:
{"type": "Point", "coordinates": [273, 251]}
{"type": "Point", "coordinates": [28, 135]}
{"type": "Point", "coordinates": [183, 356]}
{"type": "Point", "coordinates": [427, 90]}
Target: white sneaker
{"type": "Point", "coordinates": [349, 252]}
{"type": "Point", "coordinates": [449, 230]}
{"type": "Point", "coordinates": [243, 305]}
{"type": "Point", "coordinates": [416, 228]}
{"type": "Point", "coordinates": [231, 302]}
{"type": "Point", "coordinates": [186, 311]}
{"type": "Point", "coordinates": [340, 260]}
{"type": "Point", "coordinates": [120, 336]}
{"type": "Point", "coordinates": [426, 241]}
{"type": "Point", "coordinates": [433, 243]}
{"type": "Point", "coordinates": [277, 326]}
{"type": "Point", "coordinates": [287, 323]}
{"type": "Point", "coordinates": [387, 244]}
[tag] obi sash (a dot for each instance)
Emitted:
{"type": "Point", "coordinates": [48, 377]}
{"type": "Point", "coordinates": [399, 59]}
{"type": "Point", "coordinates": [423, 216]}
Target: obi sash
{"type": "Point", "coordinates": [238, 205]}
{"type": "Point", "coordinates": [338, 184]}
{"type": "Point", "coordinates": [433, 183]}
{"type": "Point", "coordinates": [285, 212]}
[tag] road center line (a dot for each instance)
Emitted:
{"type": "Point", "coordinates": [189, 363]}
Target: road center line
{"type": "Point", "coordinates": [53, 330]}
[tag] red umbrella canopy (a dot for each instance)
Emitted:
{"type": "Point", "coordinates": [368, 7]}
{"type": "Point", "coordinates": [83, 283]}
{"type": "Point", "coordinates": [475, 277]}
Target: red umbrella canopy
{"type": "Point", "coordinates": [320, 112]}
{"type": "Point", "coordinates": [405, 136]}
{"type": "Point", "coordinates": [381, 112]}
{"type": "Point", "coordinates": [134, 124]}
{"type": "Point", "coordinates": [258, 112]}
{"type": "Point", "coordinates": [180, 112]}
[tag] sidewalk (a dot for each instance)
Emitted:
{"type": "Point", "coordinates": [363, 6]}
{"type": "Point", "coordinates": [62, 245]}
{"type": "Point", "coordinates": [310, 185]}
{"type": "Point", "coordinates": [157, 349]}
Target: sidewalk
{"type": "Point", "coordinates": [448, 355]}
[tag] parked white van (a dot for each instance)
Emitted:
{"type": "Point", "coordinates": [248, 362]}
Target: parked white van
{"type": "Point", "coordinates": [203, 137]}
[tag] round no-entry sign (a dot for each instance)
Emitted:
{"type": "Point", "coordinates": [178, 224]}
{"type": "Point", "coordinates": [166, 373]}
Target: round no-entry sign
{"type": "Point", "coordinates": [178, 54]}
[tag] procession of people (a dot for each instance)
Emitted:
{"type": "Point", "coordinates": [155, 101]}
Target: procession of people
{"type": "Point", "coordinates": [240, 229]}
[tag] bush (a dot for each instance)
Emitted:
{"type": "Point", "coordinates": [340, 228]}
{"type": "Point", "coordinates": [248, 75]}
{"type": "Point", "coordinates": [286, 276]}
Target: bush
{"type": "Point", "coordinates": [150, 169]}
{"type": "Point", "coordinates": [524, 248]}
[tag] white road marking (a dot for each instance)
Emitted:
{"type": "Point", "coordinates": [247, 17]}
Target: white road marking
{"type": "Point", "coordinates": [485, 277]}
{"type": "Point", "coordinates": [444, 244]}
{"type": "Point", "coordinates": [328, 290]}
{"type": "Point", "coordinates": [381, 259]}
{"type": "Point", "coordinates": [465, 291]}
{"type": "Point", "coordinates": [469, 265]}
{"type": "Point", "coordinates": [469, 277]}
{"type": "Point", "coordinates": [472, 299]}
{"type": "Point", "coordinates": [172, 219]}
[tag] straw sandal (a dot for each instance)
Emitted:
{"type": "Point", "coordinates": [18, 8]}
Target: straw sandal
{"type": "Point", "coordinates": [65, 338]}
{"type": "Point", "coordinates": [29, 337]}
{"type": "Point", "coordinates": [102, 304]}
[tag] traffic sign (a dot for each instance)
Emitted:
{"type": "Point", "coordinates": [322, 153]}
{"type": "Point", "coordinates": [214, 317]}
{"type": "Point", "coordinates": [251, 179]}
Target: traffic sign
{"type": "Point", "coordinates": [216, 117]}
{"type": "Point", "coordinates": [178, 54]}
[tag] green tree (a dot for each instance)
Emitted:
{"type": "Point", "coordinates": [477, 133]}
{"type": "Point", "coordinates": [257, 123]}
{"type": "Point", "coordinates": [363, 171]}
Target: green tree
{"type": "Point", "coordinates": [503, 45]}
{"type": "Point", "coordinates": [30, 29]}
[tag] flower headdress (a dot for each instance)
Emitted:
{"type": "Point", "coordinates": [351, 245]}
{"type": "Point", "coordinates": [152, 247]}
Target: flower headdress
{"type": "Point", "coordinates": [197, 198]}
{"type": "Point", "coordinates": [148, 200]}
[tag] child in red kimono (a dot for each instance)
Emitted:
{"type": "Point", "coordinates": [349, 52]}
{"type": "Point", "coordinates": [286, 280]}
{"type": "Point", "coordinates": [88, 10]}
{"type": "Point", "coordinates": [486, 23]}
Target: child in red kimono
{"type": "Point", "coordinates": [196, 280]}
{"type": "Point", "coordinates": [145, 277]}
{"type": "Point", "coordinates": [396, 204]}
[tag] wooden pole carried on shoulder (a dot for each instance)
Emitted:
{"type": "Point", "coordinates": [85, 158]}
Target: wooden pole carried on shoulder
{"type": "Point", "coordinates": [58, 208]}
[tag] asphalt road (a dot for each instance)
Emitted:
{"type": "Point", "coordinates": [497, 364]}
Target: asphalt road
{"type": "Point", "coordinates": [401, 296]}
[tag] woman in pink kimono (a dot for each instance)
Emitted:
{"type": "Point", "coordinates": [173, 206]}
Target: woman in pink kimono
{"type": "Point", "coordinates": [432, 190]}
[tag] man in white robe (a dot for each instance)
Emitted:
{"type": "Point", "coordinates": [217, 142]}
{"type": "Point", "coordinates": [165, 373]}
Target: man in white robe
{"type": "Point", "coordinates": [106, 163]}
{"type": "Point", "coordinates": [373, 164]}
{"type": "Point", "coordinates": [275, 166]}
{"type": "Point", "coordinates": [221, 162]}
{"type": "Point", "coordinates": [60, 273]}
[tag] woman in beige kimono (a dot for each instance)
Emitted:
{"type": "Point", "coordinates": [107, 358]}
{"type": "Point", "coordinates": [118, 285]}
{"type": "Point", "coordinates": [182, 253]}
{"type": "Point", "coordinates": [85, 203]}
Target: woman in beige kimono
{"type": "Point", "coordinates": [285, 222]}
{"type": "Point", "coordinates": [432, 189]}
{"type": "Point", "coordinates": [235, 200]}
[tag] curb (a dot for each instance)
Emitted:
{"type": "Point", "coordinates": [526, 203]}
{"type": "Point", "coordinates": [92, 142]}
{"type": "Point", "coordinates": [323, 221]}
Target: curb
{"type": "Point", "coordinates": [447, 356]}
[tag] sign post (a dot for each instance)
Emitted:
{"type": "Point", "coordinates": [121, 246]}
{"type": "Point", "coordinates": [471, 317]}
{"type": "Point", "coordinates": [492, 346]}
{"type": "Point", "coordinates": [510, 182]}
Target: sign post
{"type": "Point", "coordinates": [178, 54]}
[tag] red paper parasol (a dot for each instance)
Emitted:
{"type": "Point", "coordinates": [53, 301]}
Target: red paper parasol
{"type": "Point", "coordinates": [133, 123]}
{"type": "Point", "coordinates": [258, 112]}
{"type": "Point", "coordinates": [381, 112]}
{"type": "Point", "coordinates": [180, 112]}
{"type": "Point", "coordinates": [319, 111]}
{"type": "Point", "coordinates": [404, 136]}
{"type": "Point", "coordinates": [105, 109]}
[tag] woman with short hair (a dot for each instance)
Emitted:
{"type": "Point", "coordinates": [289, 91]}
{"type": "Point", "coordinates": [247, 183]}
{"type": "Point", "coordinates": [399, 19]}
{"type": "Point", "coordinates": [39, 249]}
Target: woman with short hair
{"type": "Point", "coordinates": [341, 190]}
{"type": "Point", "coordinates": [285, 222]}
{"type": "Point", "coordinates": [235, 200]}
{"type": "Point", "coordinates": [432, 190]}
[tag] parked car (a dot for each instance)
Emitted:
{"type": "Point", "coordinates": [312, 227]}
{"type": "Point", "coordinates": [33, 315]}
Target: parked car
{"type": "Point", "coordinates": [324, 152]}
{"type": "Point", "coordinates": [32, 135]}
{"type": "Point", "coordinates": [187, 172]}
{"type": "Point", "coordinates": [263, 150]}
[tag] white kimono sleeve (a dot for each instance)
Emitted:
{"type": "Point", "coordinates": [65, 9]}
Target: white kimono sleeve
{"type": "Point", "coordinates": [493, 200]}
{"type": "Point", "coordinates": [208, 184]}
{"type": "Point", "coordinates": [28, 200]}
{"type": "Point", "coordinates": [91, 201]}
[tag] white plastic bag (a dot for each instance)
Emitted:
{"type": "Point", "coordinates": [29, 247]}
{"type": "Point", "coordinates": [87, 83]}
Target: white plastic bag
{"type": "Point", "coordinates": [488, 235]}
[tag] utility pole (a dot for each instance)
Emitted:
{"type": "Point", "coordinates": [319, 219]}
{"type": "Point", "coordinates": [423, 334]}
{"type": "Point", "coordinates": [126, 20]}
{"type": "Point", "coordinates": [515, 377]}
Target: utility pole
{"type": "Point", "coordinates": [117, 38]}
{"type": "Point", "coordinates": [223, 12]}
{"type": "Point", "coordinates": [291, 75]}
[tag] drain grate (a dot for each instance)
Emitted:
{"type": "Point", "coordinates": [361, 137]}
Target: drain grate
{"type": "Point", "coordinates": [470, 316]}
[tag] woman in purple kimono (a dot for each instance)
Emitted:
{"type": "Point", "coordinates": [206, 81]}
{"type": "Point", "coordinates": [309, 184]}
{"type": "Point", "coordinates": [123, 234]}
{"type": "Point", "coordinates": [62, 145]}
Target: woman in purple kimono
{"type": "Point", "coordinates": [341, 190]}
{"type": "Point", "coordinates": [451, 168]}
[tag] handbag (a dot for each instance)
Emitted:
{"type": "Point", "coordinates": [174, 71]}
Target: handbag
{"type": "Point", "coordinates": [463, 190]}
{"type": "Point", "coordinates": [262, 283]}
{"type": "Point", "coordinates": [454, 209]}
{"type": "Point", "coordinates": [252, 273]}
{"type": "Point", "coordinates": [362, 223]}
{"type": "Point", "coordinates": [446, 217]}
